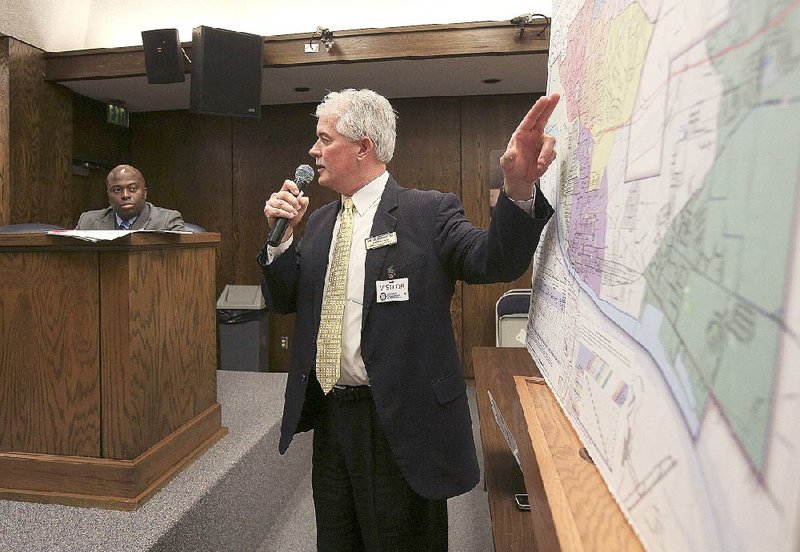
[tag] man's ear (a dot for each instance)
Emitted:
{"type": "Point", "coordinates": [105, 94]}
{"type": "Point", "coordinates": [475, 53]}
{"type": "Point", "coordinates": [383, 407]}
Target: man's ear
{"type": "Point", "coordinates": [365, 147]}
{"type": "Point", "coordinates": [145, 192]}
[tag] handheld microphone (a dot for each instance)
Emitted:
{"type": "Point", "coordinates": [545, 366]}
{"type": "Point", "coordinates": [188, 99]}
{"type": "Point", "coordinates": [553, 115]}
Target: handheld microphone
{"type": "Point", "coordinates": [302, 176]}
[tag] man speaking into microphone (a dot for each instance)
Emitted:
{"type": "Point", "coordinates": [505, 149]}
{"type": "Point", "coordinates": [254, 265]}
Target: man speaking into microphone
{"type": "Point", "coordinates": [302, 177]}
{"type": "Point", "coordinates": [374, 370]}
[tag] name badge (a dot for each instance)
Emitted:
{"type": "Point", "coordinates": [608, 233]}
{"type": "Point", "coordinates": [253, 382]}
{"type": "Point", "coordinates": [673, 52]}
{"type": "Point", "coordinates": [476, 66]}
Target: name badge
{"type": "Point", "coordinates": [383, 240]}
{"type": "Point", "coordinates": [392, 290]}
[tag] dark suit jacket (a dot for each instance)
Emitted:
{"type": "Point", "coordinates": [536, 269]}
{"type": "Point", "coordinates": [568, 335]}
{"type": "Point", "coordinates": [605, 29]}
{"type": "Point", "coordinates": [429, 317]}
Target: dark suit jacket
{"type": "Point", "coordinates": [408, 347]}
{"type": "Point", "coordinates": [151, 218]}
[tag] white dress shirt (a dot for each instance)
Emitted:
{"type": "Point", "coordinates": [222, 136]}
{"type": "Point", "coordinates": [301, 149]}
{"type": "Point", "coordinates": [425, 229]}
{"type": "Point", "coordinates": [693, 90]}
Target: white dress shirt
{"type": "Point", "coordinates": [120, 220]}
{"type": "Point", "coordinates": [365, 204]}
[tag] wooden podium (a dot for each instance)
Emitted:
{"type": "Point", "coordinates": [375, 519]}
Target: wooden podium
{"type": "Point", "coordinates": [107, 365]}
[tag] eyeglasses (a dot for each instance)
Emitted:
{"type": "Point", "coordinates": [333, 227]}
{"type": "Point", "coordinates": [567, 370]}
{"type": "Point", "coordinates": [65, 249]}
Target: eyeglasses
{"type": "Point", "coordinates": [117, 189]}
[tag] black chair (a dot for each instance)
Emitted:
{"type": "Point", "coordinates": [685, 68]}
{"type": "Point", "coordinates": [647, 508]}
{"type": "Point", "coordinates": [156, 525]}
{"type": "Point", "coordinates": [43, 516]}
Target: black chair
{"type": "Point", "coordinates": [193, 228]}
{"type": "Point", "coordinates": [28, 228]}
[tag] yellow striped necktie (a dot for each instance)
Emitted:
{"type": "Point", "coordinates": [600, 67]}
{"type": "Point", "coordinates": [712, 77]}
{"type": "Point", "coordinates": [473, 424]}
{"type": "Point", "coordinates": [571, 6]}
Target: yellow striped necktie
{"type": "Point", "coordinates": [329, 338]}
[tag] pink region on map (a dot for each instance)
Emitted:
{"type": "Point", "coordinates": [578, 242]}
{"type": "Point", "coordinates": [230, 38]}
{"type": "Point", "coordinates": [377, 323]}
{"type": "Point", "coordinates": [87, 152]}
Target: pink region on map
{"type": "Point", "coordinates": [571, 69]}
{"type": "Point", "coordinates": [580, 70]}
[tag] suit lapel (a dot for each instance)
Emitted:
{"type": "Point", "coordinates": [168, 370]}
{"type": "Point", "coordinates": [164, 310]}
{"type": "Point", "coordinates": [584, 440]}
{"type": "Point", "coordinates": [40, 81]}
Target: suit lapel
{"type": "Point", "coordinates": [106, 222]}
{"type": "Point", "coordinates": [383, 223]}
{"type": "Point", "coordinates": [142, 219]}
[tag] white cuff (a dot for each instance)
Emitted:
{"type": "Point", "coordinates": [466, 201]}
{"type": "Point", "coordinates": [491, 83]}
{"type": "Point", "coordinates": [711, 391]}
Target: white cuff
{"type": "Point", "coordinates": [526, 204]}
{"type": "Point", "coordinates": [275, 252]}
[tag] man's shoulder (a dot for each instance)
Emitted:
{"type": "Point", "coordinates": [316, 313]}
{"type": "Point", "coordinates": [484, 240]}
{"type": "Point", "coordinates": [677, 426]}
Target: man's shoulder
{"type": "Point", "coordinates": [414, 194]}
{"type": "Point", "coordinates": [161, 218]}
{"type": "Point", "coordinates": [159, 210]}
{"type": "Point", "coordinates": [96, 213]}
{"type": "Point", "coordinates": [416, 197]}
{"type": "Point", "coordinates": [154, 213]}
{"type": "Point", "coordinates": [88, 219]}
{"type": "Point", "coordinates": [418, 193]}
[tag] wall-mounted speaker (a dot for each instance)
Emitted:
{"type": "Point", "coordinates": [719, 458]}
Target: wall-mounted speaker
{"type": "Point", "coordinates": [226, 72]}
{"type": "Point", "coordinates": [163, 56]}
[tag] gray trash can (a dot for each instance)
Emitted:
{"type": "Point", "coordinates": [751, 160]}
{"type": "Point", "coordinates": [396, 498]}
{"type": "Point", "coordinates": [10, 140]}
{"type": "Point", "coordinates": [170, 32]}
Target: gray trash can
{"type": "Point", "coordinates": [243, 328]}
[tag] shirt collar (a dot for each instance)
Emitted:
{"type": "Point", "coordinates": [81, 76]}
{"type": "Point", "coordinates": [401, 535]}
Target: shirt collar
{"type": "Point", "coordinates": [130, 220]}
{"type": "Point", "coordinates": [369, 194]}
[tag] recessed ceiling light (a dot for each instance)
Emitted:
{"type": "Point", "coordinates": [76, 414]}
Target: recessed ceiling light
{"type": "Point", "coordinates": [301, 89]}
{"type": "Point", "coordinates": [491, 81]}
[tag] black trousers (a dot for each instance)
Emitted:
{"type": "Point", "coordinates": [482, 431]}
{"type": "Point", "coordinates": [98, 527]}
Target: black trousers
{"type": "Point", "coordinates": [361, 499]}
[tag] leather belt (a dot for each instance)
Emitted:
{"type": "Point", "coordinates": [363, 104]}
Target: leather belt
{"type": "Point", "coordinates": [351, 392]}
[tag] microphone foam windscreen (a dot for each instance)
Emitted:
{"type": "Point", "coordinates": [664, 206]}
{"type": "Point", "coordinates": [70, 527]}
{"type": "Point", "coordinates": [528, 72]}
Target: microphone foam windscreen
{"type": "Point", "coordinates": [303, 175]}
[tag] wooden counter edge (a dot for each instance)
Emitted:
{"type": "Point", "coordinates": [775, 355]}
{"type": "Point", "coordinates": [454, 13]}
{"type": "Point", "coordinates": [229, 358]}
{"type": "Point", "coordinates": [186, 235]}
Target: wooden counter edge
{"type": "Point", "coordinates": [136, 240]}
{"type": "Point", "coordinates": [585, 514]}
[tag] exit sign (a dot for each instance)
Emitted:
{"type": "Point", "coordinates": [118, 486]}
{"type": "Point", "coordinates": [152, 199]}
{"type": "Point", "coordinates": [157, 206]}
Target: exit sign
{"type": "Point", "coordinates": [117, 115]}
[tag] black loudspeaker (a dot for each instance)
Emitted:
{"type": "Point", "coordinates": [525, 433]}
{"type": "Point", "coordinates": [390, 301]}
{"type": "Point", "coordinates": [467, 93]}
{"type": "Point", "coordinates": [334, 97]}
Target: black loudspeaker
{"type": "Point", "coordinates": [163, 56]}
{"type": "Point", "coordinates": [226, 72]}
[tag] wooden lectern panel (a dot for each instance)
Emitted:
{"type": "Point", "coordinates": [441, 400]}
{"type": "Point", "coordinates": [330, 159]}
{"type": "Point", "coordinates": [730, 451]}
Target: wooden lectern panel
{"type": "Point", "coordinates": [108, 359]}
{"type": "Point", "coordinates": [49, 388]}
{"type": "Point", "coordinates": [158, 342]}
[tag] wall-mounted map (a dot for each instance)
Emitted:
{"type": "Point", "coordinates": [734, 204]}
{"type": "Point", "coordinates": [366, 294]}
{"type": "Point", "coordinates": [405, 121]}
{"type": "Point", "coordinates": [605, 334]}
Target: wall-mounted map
{"type": "Point", "coordinates": [666, 307]}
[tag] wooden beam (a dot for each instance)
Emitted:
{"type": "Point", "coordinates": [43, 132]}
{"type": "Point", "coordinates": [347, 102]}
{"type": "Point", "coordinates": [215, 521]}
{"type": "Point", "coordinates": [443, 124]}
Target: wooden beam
{"type": "Point", "coordinates": [417, 42]}
{"type": "Point", "coordinates": [5, 134]}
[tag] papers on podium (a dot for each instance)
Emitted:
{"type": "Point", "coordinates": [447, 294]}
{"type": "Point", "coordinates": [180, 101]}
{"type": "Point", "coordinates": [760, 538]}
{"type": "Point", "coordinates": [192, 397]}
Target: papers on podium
{"type": "Point", "coordinates": [107, 235]}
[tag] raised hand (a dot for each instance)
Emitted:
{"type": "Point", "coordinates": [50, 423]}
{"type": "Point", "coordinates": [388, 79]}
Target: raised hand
{"type": "Point", "coordinates": [530, 151]}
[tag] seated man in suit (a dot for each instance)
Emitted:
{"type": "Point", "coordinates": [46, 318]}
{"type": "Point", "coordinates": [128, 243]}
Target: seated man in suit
{"type": "Point", "coordinates": [128, 209]}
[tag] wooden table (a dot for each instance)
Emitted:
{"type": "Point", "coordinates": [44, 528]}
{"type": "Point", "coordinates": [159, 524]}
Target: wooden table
{"type": "Point", "coordinates": [571, 507]}
{"type": "Point", "coordinates": [512, 529]}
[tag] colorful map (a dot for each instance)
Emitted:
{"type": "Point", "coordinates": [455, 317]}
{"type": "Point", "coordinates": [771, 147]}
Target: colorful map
{"type": "Point", "coordinates": [666, 308]}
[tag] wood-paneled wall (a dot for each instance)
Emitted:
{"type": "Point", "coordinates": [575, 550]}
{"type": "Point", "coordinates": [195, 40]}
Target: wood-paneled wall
{"type": "Point", "coordinates": [219, 172]}
{"type": "Point", "coordinates": [36, 132]}
{"type": "Point", "coordinates": [5, 142]}
{"type": "Point", "coordinates": [486, 126]}
{"type": "Point", "coordinates": [99, 145]}
{"type": "Point", "coordinates": [186, 163]}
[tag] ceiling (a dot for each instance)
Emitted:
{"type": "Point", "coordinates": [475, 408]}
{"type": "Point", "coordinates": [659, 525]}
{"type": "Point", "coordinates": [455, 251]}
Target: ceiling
{"type": "Point", "coordinates": [454, 76]}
